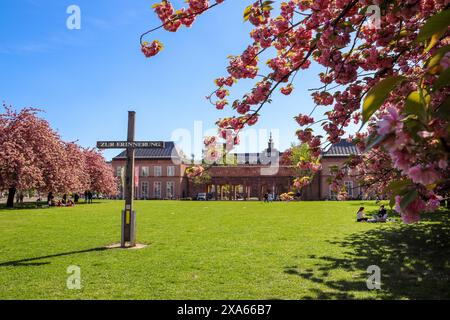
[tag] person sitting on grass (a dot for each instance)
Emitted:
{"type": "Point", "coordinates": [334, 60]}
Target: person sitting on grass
{"type": "Point", "coordinates": [381, 216]}
{"type": "Point", "coordinates": [360, 216]}
{"type": "Point", "coordinates": [382, 213]}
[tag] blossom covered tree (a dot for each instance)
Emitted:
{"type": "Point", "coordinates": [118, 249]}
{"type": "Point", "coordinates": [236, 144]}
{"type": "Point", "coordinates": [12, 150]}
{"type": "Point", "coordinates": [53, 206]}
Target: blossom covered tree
{"type": "Point", "coordinates": [75, 168]}
{"type": "Point", "coordinates": [387, 72]}
{"type": "Point", "coordinates": [304, 164]}
{"type": "Point", "coordinates": [33, 156]}
{"type": "Point", "coordinates": [30, 153]}
{"type": "Point", "coordinates": [100, 174]}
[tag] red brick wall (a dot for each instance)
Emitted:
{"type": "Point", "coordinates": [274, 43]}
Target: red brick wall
{"type": "Point", "coordinates": [245, 181]}
{"type": "Point", "coordinates": [325, 174]}
{"type": "Point", "coordinates": [178, 180]}
{"type": "Point", "coordinates": [241, 181]}
{"type": "Point", "coordinates": [255, 184]}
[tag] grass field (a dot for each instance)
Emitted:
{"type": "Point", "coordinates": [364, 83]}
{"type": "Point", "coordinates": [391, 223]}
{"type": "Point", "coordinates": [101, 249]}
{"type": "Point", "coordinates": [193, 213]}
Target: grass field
{"type": "Point", "coordinates": [222, 250]}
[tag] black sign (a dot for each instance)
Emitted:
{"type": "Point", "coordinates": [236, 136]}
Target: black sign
{"type": "Point", "coordinates": [129, 144]}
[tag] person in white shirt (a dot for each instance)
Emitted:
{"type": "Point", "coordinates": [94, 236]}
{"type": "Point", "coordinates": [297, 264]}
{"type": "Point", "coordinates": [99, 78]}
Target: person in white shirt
{"type": "Point", "coordinates": [360, 216]}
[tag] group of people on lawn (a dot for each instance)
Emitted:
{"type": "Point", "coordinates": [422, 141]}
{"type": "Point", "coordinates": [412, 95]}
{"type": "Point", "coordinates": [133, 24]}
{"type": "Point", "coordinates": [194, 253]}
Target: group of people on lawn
{"type": "Point", "coordinates": [268, 197]}
{"type": "Point", "coordinates": [65, 202]}
{"type": "Point", "coordinates": [381, 216]}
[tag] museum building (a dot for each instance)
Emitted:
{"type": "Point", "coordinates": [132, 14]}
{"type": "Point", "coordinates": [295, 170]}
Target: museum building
{"type": "Point", "coordinates": [160, 174]}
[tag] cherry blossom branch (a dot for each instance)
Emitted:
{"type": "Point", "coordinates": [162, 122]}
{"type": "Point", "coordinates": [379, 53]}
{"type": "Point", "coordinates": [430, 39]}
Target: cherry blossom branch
{"type": "Point", "coordinates": [178, 17]}
{"type": "Point", "coordinates": [349, 6]}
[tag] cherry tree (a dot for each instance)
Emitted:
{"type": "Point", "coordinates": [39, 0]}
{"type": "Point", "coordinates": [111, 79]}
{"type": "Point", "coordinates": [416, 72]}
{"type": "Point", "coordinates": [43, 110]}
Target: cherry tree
{"type": "Point", "coordinates": [387, 73]}
{"type": "Point", "coordinates": [100, 174]}
{"type": "Point", "coordinates": [303, 163]}
{"type": "Point", "coordinates": [33, 156]}
{"type": "Point", "coordinates": [30, 153]}
{"type": "Point", "coordinates": [75, 168]}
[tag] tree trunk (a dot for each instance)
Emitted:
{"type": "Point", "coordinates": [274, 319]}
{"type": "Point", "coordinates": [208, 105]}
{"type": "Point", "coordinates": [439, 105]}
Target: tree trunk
{"type": "Point", "coordinates": [11, 193]}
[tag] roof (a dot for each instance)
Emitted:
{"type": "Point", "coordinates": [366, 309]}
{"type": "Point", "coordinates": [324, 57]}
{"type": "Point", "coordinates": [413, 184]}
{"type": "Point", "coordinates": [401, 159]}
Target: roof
{"type": "Point", "coordinates": [342, 148]}
{"type": "Point", "coordinates": [257, 157]}
{"type": "Point", "coordinates": [169, 151]}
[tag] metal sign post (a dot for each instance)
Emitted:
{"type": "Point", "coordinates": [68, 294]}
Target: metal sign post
{"type": "Point", "coordinates": [128, 230]}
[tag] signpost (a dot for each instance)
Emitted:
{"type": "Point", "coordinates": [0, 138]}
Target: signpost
{"type": "Point", "coordinates": [128, 234]}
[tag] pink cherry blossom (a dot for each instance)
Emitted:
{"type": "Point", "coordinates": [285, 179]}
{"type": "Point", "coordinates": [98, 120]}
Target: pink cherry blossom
{"type": "Point", "coordinates": [286, 90]}
{"type": "Point", "coordinates": [423, 175]}
{"type": "Point", "coordinates": [304, 120]}
{"type": "Point", "coordinates": [401, 139]}
{"type": "Point", "coordinates": [389, 121]}
{"type": "Point", "coordinates": [152, 49]}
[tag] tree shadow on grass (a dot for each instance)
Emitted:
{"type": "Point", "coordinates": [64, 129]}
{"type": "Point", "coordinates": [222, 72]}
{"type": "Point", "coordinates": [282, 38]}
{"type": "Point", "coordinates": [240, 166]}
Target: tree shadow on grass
{"type": "Point", "coordinates": [31, 261]}
{"type": "Point", "coordinates": [38, 205]}
{"type": "Point", "coordinates": [414, 261]}
{"type": "Point", "coordinates": [366, 202]}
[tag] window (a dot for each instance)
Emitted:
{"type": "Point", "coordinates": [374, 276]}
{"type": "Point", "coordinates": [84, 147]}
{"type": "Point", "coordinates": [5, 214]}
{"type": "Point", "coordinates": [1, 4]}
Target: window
{"type": "Point", "coordinates": [332, 169]}
{"type": "Point", "coordinates": [170, 189]}
{"type": "Point", "coordinates": [144, 189]}
{"type": "Point", "coordinates": [332, 194]}
{"type": "Point", "coordinates": [170, 171]}
{"type": "Point", "coordinates": [157, 171]}
{"type": "Point", "coordinates": [349, 188]}
{"type": "Point", "coordinates": [119, 171]}
{"type": "Point", "coordinates": [157, 189]}
{"type": "Point", "coordinates": [144, 172]}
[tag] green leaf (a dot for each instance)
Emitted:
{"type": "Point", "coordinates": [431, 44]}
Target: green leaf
{"type": "Point", "coordinates": [392, 201]}
{"type": "Point", "coordinates": [347, 24]}
{"type": "Point", "coordinates": [433, 41]}
{"type": "Point", "coordinates": [247, 12]}
{"type": "Point", "coordinates": [267, 4]}
{"type": "Point", "coordinates": [396, 185]}
{"type": "Point", "coordinates": [443, 80]}
{"type": "Point", "coordinates": [433, 63]}
{"type": "Point", "coordinates": [363, 11]}
{"type": "Point", "coordinates": [414, 104]}
{"type": "Point", "coordinates": [413, 124]}
{"type": "Point", "coordinates": [373, 141]}
{"type": "Point", "coordinates": [436, 24]}
{"type": "Point", "coordinates": [444, 110]}
{"type": "Point", "coordinates": [378, 94]}
{"type": "Point", "coordinates": [408, 198]}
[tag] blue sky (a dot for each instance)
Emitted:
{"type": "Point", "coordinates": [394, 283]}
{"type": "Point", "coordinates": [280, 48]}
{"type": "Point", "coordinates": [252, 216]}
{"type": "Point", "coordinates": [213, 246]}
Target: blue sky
{"type": "Point", "coordinates": [86, 80]}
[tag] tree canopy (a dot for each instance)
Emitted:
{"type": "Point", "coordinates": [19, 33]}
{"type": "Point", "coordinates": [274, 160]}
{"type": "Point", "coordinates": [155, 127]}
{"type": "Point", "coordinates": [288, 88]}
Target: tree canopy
{"type": "Point", "coordinates": [385, 67]}
{"type": "Point", "coordinates": [33, 156]}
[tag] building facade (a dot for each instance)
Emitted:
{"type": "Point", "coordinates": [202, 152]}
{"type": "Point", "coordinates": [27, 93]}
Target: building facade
{"type": "Point", "coordinates": [255, 174]}
{"type": "Point", "coordinates": [336, 155]}
{"type": "Point", "coordinates": [160, 174]}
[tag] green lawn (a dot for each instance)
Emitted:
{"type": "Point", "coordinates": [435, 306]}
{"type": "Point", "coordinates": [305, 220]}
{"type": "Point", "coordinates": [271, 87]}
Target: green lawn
{"type": "Point", "coordinates": [222, 250]}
